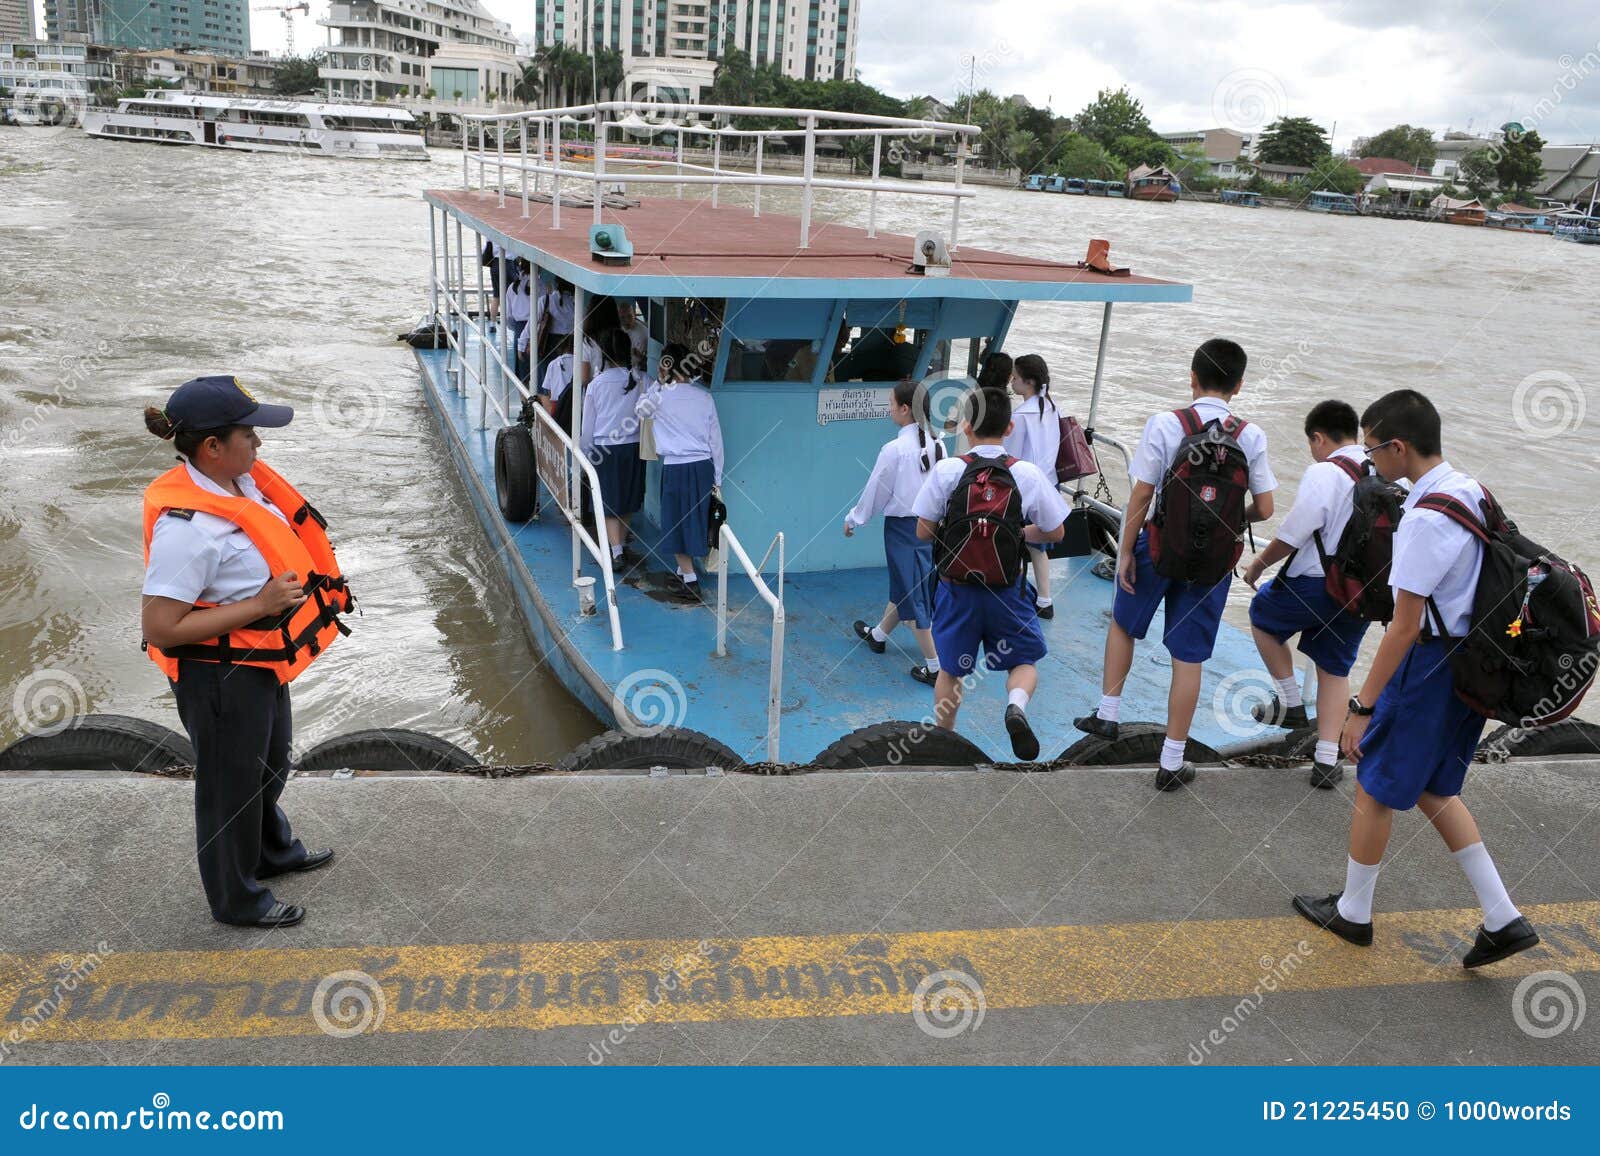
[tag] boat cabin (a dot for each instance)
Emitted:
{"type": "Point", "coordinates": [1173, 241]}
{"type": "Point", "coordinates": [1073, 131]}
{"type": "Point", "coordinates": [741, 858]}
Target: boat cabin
{"type": "Point", "coordinates": [1241, 197]}
{"type": "Point", "coordinates": [1329, 201]}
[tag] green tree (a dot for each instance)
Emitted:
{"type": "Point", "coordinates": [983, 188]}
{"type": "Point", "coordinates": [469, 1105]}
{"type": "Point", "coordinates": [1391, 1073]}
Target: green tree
{"type": "Point", "coordinates": [1403, 143]}
{"type": "Point", "coordinates": [1477, 171]}
{"type": "Point", "coordinates": [528, 87]}
{"type": "Point", "coordinates": [1293, 140]}
{"type": "Point", "coordinates": [1133, 151]}
{"type": "Point", "coordinates": [1520, 168]}
{"type": "Point", "coordinates": [1024, 150]}
{"type": "Point", "coordinates": [1337, 174]}
{"type": "Point", "coordinates": [1080, 156]}
{"type": "Point", "coordinates": [1111, 115]}
{"type": "Point", "coordinates": [298, 74]}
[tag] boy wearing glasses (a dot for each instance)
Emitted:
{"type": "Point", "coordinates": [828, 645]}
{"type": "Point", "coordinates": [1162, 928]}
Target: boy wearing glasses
{"type": "Point", "coordinates": [1411, 737]}
{"type": "Point", "coordinates": [1297, 600]}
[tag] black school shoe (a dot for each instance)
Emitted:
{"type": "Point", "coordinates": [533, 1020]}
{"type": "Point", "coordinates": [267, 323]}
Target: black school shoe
{"type": "Point", "coordinates": [1275, 714]}
{"type": "Point", "coordinates": [279, 915]}
{"type": "Point", "coordinates": [312, 861]}
{"type": "Point", "coordinates": [1493, 946]}
{"type": "Point", "coordinates": [864, 632]}
{"type": "Point", "coordinates": [1326, 775]}
{"type": "Point", "coordinates": [923, 675]}
{"type": "Point", "coordinates": [680, 591]}
{"type": "Point", "coordinates": [1171, 780]}
{"type": "Point", "coordinates": [1093, 724]}
{"type": "Point", "coordinates": [1324, 913]}
{"type": "Point", "coordinates": [1045, 611]}
{"type": "Point", "coordinates": [1024, 743]}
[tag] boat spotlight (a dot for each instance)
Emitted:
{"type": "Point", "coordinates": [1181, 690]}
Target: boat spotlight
{"type": "Point", "coordinates": [609, 245]}
{"type": "Point", "coordinates": [929, 257]}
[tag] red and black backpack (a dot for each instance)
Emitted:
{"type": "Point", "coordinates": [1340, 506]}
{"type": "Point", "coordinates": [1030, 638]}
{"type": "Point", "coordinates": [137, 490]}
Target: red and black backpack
{"type": "Point", "coordinates": [980, 539]}
{"type": "Point", "coordinates": [1530, 651]}
{"type": "Point", "coordinates": [1357, 572]}
{"type": "Point", "coordinates": [1198, 528]}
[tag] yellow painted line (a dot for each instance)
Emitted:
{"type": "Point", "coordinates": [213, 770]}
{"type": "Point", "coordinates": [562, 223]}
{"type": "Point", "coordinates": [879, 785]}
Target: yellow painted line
{"type": "Point", "coordinates": [74, 995]}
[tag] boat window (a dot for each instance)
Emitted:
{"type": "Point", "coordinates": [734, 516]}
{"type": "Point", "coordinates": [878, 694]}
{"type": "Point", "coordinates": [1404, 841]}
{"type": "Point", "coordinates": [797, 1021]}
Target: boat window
{"type": "Point", "coordinates": [778, 340]}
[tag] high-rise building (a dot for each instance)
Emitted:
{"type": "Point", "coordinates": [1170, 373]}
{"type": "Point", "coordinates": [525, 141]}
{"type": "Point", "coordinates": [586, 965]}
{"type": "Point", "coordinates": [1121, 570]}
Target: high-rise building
{"type": "Point", "coordinates": [221, 26]}
{"type": "Point", "coordinates": [16, 19]}
{"type": "Point", "coordinates": [71, 19]}
{"type": "Point", "coordinates": [402, 49]}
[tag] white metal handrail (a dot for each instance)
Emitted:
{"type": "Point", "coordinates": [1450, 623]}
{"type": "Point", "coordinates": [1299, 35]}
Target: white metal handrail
{"type": "Point", "coordinates": [728, 542]}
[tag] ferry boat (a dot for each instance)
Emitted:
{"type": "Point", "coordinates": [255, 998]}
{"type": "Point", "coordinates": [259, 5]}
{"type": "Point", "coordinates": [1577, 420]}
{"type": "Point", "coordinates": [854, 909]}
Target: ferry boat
{"type": "Point", "coordinates": [768, 669]}
{"type": "Point", "coordinates": [1472, 212]}
{"type": "Point", "coordinates": [1520, 219]}
{"type": "Point", "coordinates": [1578, 227]}
{"type": "Point", "coordinates": [1035, 182]}
{"type": "Point", "coordinates": [1152, 183]}
{"type": "Point", "coordinates": [321, 128]}
{"type": "Point", "coordinates": [1096, 188]}
{"type": "Point", "coordinates": [1116, 189]}
{"type": "Point", "coordinates": [1076, 186]}
{"type": "Point", "coordinates": [1045, 183]}
{"type": "Point", "coordinates": [1244, 198]}
{"type": "Point", "coordinates": [1328, 201]}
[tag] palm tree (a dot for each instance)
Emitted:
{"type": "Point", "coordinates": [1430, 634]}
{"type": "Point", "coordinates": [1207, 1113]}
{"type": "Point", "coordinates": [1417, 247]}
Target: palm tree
{"type": "Point", "coordinates": [528, 86]}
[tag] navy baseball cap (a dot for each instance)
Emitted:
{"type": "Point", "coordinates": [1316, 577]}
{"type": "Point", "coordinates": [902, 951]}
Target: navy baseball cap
{"type": "Point", "coordinates": [214, 402]}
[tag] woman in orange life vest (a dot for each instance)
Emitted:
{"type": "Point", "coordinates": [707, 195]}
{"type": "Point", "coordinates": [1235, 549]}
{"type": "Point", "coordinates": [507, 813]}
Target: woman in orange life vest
{"type": "Point", "coordinates": [241, 594]}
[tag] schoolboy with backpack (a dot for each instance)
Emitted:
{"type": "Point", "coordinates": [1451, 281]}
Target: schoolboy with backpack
{"type": "Point", "coordinates": [1335, 547]}
{"type": "Point", "coordinates": [981, 510]}
{"type": "Point", "coordinates": [1200, 477]}
{"type": "Point", "coordinates": [1486, 623]}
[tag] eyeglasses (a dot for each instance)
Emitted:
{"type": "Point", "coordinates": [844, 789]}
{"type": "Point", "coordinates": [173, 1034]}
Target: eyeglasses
{"type": "Point", "coordinates": [1370, 450]}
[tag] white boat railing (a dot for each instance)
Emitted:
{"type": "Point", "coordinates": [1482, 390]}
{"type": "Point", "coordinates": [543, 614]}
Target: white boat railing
{"type": "Point", "coordinates": [624, 118]}
{"type": "Point", "coordinates": [451, 307]}
{"type": "Point", "coordinates": [728, 543]}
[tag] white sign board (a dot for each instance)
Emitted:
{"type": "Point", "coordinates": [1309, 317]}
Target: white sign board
{"type": "Point", "coordinates": [851, 404]}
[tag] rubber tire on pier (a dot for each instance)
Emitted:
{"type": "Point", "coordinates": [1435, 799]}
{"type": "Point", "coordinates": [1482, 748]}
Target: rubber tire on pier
{"type": "Point", "coordinates": [1137, 744]}
{"type": "Point", "coordinates": [677, 748]}
{"type": "Point", "coordinates": [1300, 744]}
{"type": "Point", "coordinates": [101, 742]}
{"type": "Point", "coordinates": [514, 475]}
{"type": "Point", "coordinates": [1103, 537]}
{"type": "Point", "coordinates": [897, 744]}
{"type": "Point", "coordinates": [1567, 737]}
{"type": "Point", "coordinates": [385, 749]}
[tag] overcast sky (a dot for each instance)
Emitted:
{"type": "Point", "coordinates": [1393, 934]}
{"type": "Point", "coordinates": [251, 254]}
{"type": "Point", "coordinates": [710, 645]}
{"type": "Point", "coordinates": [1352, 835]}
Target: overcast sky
{"type": "Point", "coordinates": [1362, 65]}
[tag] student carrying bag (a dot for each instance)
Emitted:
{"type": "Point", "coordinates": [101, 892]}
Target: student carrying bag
{"type": "Point", "coordinates": [980, 539]}
{"type": "Point", "coordinates": [1357, 571]}
{"type": "Point", "coordinates": [1197, 533]}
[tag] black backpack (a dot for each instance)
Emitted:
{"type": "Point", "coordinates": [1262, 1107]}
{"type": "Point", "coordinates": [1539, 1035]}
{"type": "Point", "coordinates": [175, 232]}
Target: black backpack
{"type": "Point", "coordinates": [1357, 572]}
{"type": "Point", "coordinates": [980, 539]}
{"type": "Point", "coordinates": [1530, 652]}
{"type": "Point", "coordinates": [1198, 528]}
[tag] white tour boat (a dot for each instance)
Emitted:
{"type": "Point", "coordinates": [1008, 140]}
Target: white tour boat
{"type": "Point", "coordinates": [322, 127]}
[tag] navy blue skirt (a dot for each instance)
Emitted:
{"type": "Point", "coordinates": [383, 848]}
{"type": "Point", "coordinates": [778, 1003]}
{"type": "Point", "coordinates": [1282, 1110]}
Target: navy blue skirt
{"type": "Point", "coordinates": [911, 572]}
{"type": "Point", "coordinates": [686, 507]}
{"type": "Point", "coordinates": [621, 474]}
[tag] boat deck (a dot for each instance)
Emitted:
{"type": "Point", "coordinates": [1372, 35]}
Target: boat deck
{"type": "Point", "coordinates": [832, 684]}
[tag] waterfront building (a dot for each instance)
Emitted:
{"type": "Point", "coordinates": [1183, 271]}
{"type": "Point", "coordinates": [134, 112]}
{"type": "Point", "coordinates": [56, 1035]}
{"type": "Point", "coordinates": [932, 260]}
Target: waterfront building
{"type": "Point", "coordinates": [1222, 147]}
{"type": "Point", "coordinates": [1570, 172]}
{"type": "Point", "coordinates": [48, 67]}
{"type": "Point", "coordinates": [1402, 189]}
{"type": "Point", "coordinates": [16, 20]}
{"type": "Point", "coordinates": [1453, 147]}
{"type": "Point", "coordinates": [204, 72]}
{"type": "Point", "coordinates": [221, 26]}
{"type": "Point", "coordinates": [402, 49]}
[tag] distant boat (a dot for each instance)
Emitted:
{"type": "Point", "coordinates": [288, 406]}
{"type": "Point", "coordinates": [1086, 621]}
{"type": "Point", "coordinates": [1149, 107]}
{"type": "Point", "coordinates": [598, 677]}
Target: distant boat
{"type": "Point", "coordinates": [1579, 227]}
{"type": "Point", "coordinates": [1116, 189]}
{"type": "Point", "coordinates": [1095, 188]}
{"type": "Point", "coordinates": [1035, 182]}
{"type": "Point", "coordinates": [1152, 183]}
{"type": "Point", "coordinates": [1241, 197]}
{"type": "Point", "coordinates": [1328, 201]}
{"type": "Point", "coordinates": [1076, 186]}
{"type": "Point", "coordinates": [1465, 213]}
{"type": "Point", "coordinates": [1520, 219]}
{"type": "Point", "coordinates": [1055, 184]}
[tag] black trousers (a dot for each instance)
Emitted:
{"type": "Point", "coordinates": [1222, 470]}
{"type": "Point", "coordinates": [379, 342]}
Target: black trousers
{"type": "Point", "coordinates": [239, 721]}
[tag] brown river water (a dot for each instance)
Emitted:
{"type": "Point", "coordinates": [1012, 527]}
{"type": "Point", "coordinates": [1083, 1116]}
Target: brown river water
{"type": "Point", "coordinates": [129, 268]}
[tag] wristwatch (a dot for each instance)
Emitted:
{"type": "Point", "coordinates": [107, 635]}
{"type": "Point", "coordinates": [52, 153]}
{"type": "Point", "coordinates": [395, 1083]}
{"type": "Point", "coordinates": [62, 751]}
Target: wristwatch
{"type": "Point", "coordinates": [1357, 709]}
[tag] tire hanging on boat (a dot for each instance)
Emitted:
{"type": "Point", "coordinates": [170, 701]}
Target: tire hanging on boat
{"type": "Point", "coordinates": [677, 748]}
{"type": "Point", "coordinates": [1137, 744]}
{"type": "Point", "coordinates": [901, 744]}
{"type": "Point", "coordinates": [101, 742]}
{"type": "Point", "coordinates": [514, 475]}
{"type": "Point", "coordinates": [385, 749]}
{"type": "Point", "coordinates": [1568, 737]}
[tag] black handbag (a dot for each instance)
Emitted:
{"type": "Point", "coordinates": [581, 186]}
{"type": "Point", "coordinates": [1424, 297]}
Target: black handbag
{"type": "Point", "coordinates": [719, 515]}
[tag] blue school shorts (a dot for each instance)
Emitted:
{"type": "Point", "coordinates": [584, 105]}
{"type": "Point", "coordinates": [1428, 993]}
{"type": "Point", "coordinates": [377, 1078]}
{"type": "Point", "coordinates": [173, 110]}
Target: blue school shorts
{"type": "Point", "coordinates": [1189, 631]}
{"type": "Point", "coordinates": [1329, 636]}
{"type": "Point", "coordinates": [1421, 736]}
{"type": "Point", "coordinates": [1004, 622]}
{"type": "Point", "coordinates": [911, 572]}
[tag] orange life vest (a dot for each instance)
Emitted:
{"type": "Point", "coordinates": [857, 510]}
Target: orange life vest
{"type": "Point", "coordinates": [286, 644]}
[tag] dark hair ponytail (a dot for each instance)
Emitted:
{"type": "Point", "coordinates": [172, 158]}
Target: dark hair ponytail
{"type": "Point", "coordinates": [907, 394]}
{"type": "Point", "coordinates": [186, 442]}
{"type": "Point", "coordinates": [996, 371]}
{"type": "Point", "coordinates": [617, 347]}
{"type": "Point", "coordinates": [1031, 367]}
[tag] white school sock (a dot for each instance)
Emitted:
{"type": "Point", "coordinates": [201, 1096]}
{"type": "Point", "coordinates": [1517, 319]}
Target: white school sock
{"type": "Point", "coordinates": [1017, 698]}
{"type": "Point", "coordinates": [1043, 602]}
{"type": "Point", "coordinates": [690, 578]}
{"type": "Point", "coordinates": [616, 551]}
{"type": "Point", "coordinates": [1110, 709]}
{"type": "Point", "coordinates": [1498, 910]}
{"type": "Point", "coordinates": [1289, 691]}
{"type": "Point", "coordinates": [1327, 753]}
{"type": "Point", "coordinates": [878, 635]}
{"type": "Point", "coordinates": [1356, 902]}
{"type": "Point", "coordinates": [1172, 753]}
{"type": "Point", "coordinates": [932, 664]}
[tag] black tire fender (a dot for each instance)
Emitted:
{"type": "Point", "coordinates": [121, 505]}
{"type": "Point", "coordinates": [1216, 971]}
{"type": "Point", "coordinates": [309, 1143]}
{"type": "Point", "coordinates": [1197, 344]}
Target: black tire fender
{"type": "Point", "coordinates": [898, 744]}
{"type": "Point", "coordinates": [677, 748]}
{"type": "Point", "coordinates": [514, 473]}
{"type": "Point", "coordinates": [385, 749]}
{"type": "Point", "coordinates": [1136, 744]}
{"type": "Point", "coordinates": [1567, 737]}
{"type": "Point", "coordinates": [101, 742]}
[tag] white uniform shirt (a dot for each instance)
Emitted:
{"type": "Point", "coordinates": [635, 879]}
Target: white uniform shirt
{"type": "Point", "coordinates": [685, 426]}
{"type": "Point", "coordinates": [897, 477]}
{"type": "Point", "coordinates": [639, 338]}
{"type": "Point", "coordinates": [1041, 501]}
{"type": "Point", "coordinates": [559, 374]}
{"type": "Point", "coordinates": [519, 301]}
{"type": "Point", "coordinates": [1163, 433]}
{"type": "Point", "coordinates": [1035, 434]}
{"type": "Point", "coordinates": [558, 304]}
{"type": "Point", "coordinates": [608, 412]}
{"type": "Point", "coordinates": [1321, 506]}
{"type": "Point", "coordinates": [1435, 557]}
{"type": "Point", "coordinates": [207, 558]}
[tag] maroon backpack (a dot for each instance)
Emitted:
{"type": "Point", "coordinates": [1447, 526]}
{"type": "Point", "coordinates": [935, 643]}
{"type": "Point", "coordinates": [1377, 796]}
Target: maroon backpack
{"type": "Point", "coordinates": [1198, 528]}
{"type": "Point", "coordinates": [1357, 572]}
{"type": "Point", "coordinates": [980, 539]}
